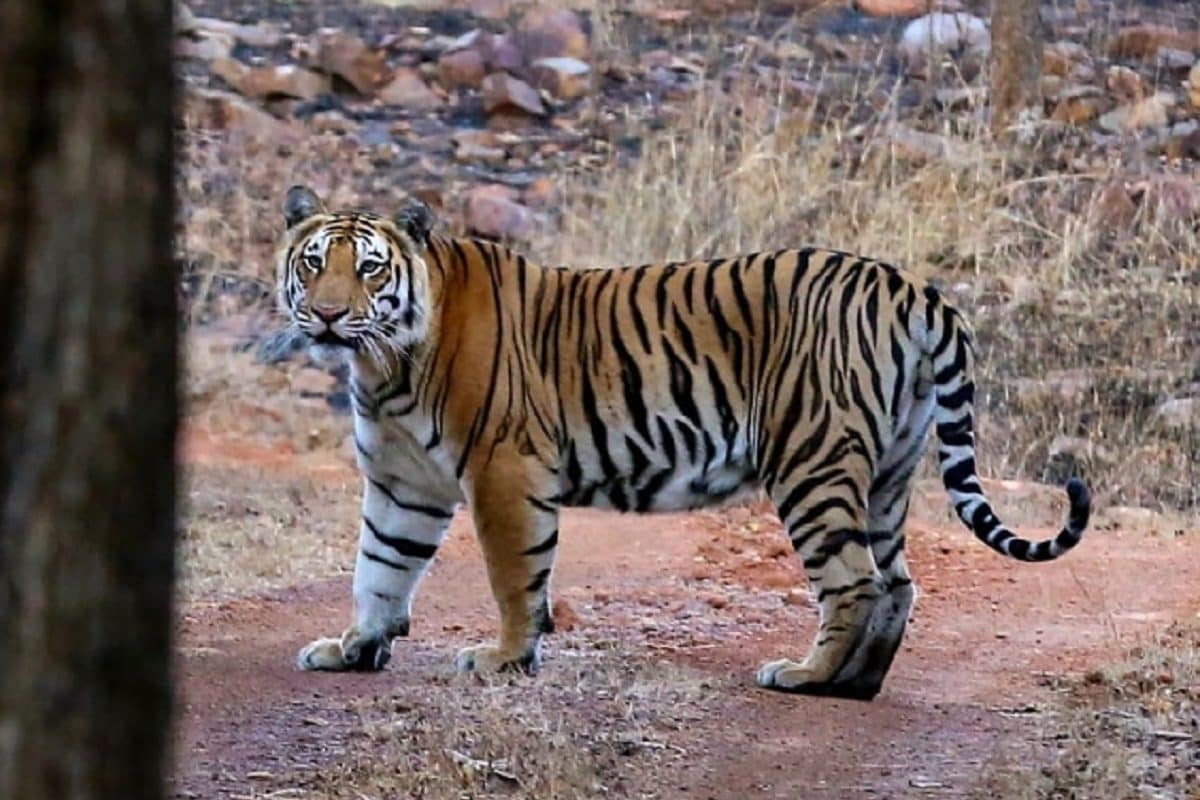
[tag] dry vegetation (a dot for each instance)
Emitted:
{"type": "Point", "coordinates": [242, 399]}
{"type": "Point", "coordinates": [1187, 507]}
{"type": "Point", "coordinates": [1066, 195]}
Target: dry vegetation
{"type": "Point", "coordinates": [572, 733]}
{"type": "Point", "coordinates": [1126, 732]}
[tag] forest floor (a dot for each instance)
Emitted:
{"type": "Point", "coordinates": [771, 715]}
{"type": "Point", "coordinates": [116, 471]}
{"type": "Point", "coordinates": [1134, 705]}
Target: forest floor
{"type": "Point", "coordinates": [707, 128]}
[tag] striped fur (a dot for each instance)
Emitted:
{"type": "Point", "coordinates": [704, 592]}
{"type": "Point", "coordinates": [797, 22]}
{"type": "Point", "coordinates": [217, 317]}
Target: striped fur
{"type": "Point", "coordinates": [479, 376]}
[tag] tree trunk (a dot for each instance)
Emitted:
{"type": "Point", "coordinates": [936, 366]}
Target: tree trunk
{"type": "Point", "coordinates": [87, 397]}
{"type": "Point", "coordinates": [1016, 68]}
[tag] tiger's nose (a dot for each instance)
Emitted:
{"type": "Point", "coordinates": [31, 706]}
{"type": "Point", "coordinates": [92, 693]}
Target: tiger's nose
{"type": "Point", "coordinates": [330, 314]}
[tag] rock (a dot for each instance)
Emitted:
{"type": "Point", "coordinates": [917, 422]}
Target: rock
{"type": "Point", "coordinates": [492, 212]}
{"type": "Point", "coordinates": [942, 33]}
{"type": "Point", "coordinates": [185, 18]}
{"type": "Point", "coordinates": [490, 9]}
{"type": "Point", "coordinates": [1183, 141]}
{"type": "Point", "coordinates": [921, 147]}
{"type": "Point", "coordinates": [547, 32]}
{"type": "Point", "coordinates": [503, 92]}
{"type": "Point", "coordinates": [204, 46]}
{"type": "Point", "coordinates": [564, 77]}
{"type": "Point", "coordinates": [500, 54]}
{"type": "Point", "coordinates": [664, 16]}
{"type": "Point", "coordinates": [330, 122]}
{"type": "Point", "coordinates": [1143, 41]}
{"type": "Point", "coordinates": [1193, 87]}
{"type": "Point", "coordinates": [1168, 198]}
{"type": "Point", "coordinates": [1178, 415]}
{"type": "Point", "coordinates": [461, 69]}
{"type": "Point", "coordinates": [409, 90]}
{"type": "Point", "coordinates": [797, 597]}
{"type": "Point", "coordinates": [961, 98]}
{"type": "Point", "coordinates": [1077, 105]}
{"type": "Point", "coordinates": [565, 617]}
{"type": "Point", "coordinates": [347, 56]}
{"type": "Point", "coordinates": [266, 82]}
{"type": "Point", "coordinates": [1173, 60]}
{"type": "Point", "coordinates": [207, 109]}
{"type": "Point", "coordinates": [1060, 58]}
{"type": "Point", "coordinates": [1150, 112]}
{"type": "Point", "coordinates": [477, 145]}
{"type": "Point", "coordinates": [901, 8]}
{"type": "Point", "coordinates": [1125, 84]}
{"type": "Point", "coordinates": [260, 35]}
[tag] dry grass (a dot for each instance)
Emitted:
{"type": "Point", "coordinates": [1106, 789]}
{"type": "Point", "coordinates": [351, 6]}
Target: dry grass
{"type": "Point", "coordinates": [585, 727]}
{"type": "Point", "coordinates": [1126, 732]}
{"type": "Point", "coordinates": [248, 530]}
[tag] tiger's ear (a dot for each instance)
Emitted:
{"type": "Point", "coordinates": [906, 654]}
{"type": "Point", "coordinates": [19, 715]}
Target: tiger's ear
{"type": "Point", "coordinates": [416, 219]}
{"type": "Point", "coordinates": [300, 203]}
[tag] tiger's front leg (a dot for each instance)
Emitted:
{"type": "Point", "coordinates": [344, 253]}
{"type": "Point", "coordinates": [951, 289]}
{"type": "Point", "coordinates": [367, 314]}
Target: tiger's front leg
{"type": "Point", "coordinates": [399, 535]}
{"type": "Point", "coordinates": [515, 509]}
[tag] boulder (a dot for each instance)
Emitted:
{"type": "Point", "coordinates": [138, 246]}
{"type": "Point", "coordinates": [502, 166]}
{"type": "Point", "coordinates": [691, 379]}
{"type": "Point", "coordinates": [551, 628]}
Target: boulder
{"type": "Point", "coordinates": [286, 80]}
{"type": "Point", "coordinates": [903, 8]}
{"type": "Point", "coordinates": [408, 89]}
{"type": "Point", "coordinates": [461, 69]}
{"type": "Point", "coordinates": [564, 77]}
{"type": "Point", "coordinates": [347, 56]}
{"type": "Point", "coordinates": [548, 32]}
{"type": "Point", "coordinates": [1144, 41]}
{"type": "Point", "coordinates": [943, 33]}
{"type": "Point", "coordinates": [1180, 414]}
{"type": "Point", "coordinates": [491, 211]}
{"type": "Point", "coordinates": [503, 92]}
{"type": "Point", "coordinates": [207, 109]}
{"type": "Point", "coordinates": [1125, 84]}
{"type": "Point", "coordinates": [1077, 105]}
{"type": "Point", "coordinates": [1149, 112]}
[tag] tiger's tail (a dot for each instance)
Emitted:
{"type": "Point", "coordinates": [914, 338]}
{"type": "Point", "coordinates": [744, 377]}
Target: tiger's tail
{"type": "Point", "coordinates": [950, 351]}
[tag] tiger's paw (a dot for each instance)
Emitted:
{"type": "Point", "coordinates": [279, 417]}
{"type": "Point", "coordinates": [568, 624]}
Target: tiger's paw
{"type": "Point", "coordinates": [785, 675]}
{"type": "Point", "coordinates": [487, 658]}
{"type": "Point", "coordinates": [352, 652]}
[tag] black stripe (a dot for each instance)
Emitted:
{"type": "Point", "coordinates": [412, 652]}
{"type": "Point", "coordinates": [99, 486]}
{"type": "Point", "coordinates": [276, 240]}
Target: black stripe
{"type": "Point", "coordinates": [960, 396]}
{"type": "Point", "coordinates": [835, 542]}
{"type": "Point", "coordinates": [402, 544]}
{"type": "Point", "coordinates": [385, 561]}
{"type": "Point", "coordinates": [545, 546]}
{"type": "Point", "coordinates": [539, 581]}
{"type": "Point", "coordinates": [417, 508]}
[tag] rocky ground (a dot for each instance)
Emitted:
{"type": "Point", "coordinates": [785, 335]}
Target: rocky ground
{"type": "Point", "coordinates": [603, 132]}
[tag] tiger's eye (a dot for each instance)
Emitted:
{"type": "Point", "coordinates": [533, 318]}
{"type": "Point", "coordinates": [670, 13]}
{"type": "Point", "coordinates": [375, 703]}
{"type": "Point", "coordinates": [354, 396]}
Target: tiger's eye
{"type": "Point", "coordinates": [313, 263]}
{"type": "Point", "coordinates": [371, 268]}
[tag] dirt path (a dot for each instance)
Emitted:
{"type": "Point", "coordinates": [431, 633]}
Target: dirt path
{"type": "Point", "coordinates": [700, 594]}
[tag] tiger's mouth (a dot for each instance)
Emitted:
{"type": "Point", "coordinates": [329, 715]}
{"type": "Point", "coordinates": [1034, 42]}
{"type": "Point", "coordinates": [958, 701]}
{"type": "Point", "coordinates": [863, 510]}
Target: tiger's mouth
{"type": "Point", "coordinates": [331, 339]}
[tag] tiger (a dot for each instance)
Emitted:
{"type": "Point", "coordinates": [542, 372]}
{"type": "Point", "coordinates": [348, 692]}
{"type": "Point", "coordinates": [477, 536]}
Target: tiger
{"type": "Point", "coordinates": [479, 377]}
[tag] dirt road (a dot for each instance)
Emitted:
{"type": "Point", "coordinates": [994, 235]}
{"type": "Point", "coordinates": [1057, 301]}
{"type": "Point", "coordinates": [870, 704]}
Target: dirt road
{"type": "Point", "coordinates": [664, 621]}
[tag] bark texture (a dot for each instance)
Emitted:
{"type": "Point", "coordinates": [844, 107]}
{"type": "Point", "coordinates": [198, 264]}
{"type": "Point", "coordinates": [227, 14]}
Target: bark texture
{"type": "Point", "coordinates": [1016, 70]}
{"type": "Point", "coordinates": [87, 397]}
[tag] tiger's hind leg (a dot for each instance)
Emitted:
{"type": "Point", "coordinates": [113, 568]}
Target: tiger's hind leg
{"type": "Point", "coordinates": [825, 513]}
{"type": "Point", "coordinates": [869, 663]}
{"type": "Point", "coordinates": [887, 509]}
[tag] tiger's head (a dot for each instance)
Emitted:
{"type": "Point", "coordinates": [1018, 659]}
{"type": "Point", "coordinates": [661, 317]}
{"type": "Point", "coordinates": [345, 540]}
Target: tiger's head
{"type": "Point", "coordinates": [352, 280]}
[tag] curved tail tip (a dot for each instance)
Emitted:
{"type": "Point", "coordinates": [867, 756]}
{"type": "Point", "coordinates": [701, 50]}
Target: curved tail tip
{"type": "Point", "coordinates": [1081, 503]}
